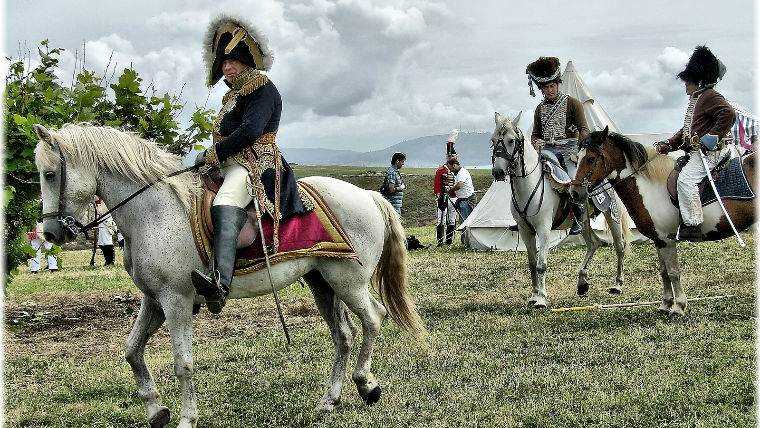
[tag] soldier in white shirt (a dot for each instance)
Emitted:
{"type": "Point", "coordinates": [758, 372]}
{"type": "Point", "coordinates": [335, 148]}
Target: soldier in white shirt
{"type": "Point", "coordinates": [463, 188]}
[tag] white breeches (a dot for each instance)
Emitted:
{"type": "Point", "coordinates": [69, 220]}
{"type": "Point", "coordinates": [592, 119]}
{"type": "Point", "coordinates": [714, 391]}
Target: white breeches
{"type": "Point", "coordinates": [35, 263]}
{"type": "Point", "coordinates": [236, 189]}
{"type": "Point", "coordinates": [688, 192]}
{"type": "Point", "coordinates": [442, 215]}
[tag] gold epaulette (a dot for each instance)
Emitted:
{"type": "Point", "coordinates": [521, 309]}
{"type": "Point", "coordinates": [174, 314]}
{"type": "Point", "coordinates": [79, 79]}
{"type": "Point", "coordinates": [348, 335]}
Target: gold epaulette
{"type": "Point", "coordinates": [268, 138]}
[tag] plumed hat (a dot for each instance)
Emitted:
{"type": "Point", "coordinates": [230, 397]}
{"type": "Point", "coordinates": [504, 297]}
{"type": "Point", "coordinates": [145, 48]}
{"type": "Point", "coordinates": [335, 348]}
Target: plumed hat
{"type": "Point", "coordinates": [229, 37]}
{"type": "Point", "coordinates": [703, 68]}
{"type": "Point", "coordinates": [542, 71]}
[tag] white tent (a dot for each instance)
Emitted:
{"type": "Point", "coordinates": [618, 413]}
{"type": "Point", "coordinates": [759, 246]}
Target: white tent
{"type": "Point", "coordinates": [487, 227]}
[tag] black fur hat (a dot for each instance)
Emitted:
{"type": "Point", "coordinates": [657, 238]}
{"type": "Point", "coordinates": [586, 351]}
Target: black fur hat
{"type": "Point", "coordinates": [542, 71]}
{"type": "Point", "coordinates": [703, 68]}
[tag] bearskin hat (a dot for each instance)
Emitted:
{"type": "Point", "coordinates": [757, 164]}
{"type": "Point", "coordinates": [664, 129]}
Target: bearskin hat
{"type": "Point", "coordinates": [229, 37]}
{"type": "Point", "coordinates": [703, 68]}
{"type": "Point", "coordinates": [542, 71]}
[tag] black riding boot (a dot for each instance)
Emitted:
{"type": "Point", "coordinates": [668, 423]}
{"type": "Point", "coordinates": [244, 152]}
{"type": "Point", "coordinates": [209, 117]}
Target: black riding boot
{"type": "Point", "coordinates": [439, 231]}
{"type": "Point", "coordinates": [227, 221]}
{"type": "Point", "coordinates": [578, 211]}
{"type": "Point", "coordinates": [450, 233]}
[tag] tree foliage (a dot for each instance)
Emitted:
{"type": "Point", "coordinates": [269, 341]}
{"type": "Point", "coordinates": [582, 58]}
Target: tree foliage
{"type": "Point", "coordinates": [36, 95]}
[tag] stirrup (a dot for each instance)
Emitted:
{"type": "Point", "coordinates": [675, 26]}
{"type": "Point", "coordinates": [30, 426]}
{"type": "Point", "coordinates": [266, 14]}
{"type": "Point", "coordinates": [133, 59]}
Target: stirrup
{"type": "Point", "coordinates": [210, 288]}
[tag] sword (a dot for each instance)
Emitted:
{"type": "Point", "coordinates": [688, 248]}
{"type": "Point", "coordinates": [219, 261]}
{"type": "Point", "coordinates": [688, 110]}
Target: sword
{"type": "Point", "coordinates": [269, 272]}
{"type": "Point", "coordinates": [717, 196]}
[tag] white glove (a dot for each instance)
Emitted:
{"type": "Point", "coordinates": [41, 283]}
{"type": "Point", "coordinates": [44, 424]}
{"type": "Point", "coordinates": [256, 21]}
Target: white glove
{"type": "Point", "coordinates": [401, 187]}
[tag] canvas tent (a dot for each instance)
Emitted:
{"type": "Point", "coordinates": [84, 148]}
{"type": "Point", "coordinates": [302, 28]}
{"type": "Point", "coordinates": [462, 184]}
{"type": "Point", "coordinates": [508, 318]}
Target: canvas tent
{"type": "Point", "coordinates": [487, 227]}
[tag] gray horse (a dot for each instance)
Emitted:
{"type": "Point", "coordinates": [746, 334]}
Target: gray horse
{"type": "Point", "coordinates": [79, 161]}
{"type": "Point", "coordinates": [536, 205]}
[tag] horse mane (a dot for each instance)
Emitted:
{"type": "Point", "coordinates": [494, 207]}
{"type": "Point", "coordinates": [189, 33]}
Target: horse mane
{"type": "Point", "coordinates": [98, 148]}
{"type": "Point", "coordinates": [658, 167]}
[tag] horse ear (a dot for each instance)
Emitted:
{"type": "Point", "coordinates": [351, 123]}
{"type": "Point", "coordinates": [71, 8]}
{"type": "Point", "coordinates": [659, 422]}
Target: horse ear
{"type": "Point", "coordinates": [516, 120]}
{"type": "Point", "coordinates": [606, 131]}
{"type": "Point", "coordinates": [497, 117]}
{"type": "Point", "coordinates": [43, 134]}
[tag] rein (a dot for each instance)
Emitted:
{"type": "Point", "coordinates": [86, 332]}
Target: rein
{"type": "Point", "coordinates": [74, 225]}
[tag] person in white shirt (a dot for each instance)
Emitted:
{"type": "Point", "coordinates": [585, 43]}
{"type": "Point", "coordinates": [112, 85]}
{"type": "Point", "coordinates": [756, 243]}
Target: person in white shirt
{"type": "Point", "coordinates": [463, 189]}
{"type": "Point", "coordinates": [105, 234]}
{"type": "Point", "coordinates": [38, 242]}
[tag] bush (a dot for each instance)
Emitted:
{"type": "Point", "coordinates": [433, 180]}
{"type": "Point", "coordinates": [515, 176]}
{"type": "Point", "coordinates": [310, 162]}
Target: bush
{"type": "Point", "coordinates": [35, 95]}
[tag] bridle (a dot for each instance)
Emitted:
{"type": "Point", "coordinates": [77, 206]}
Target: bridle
{"type": "Point", "coordinates": [608, 184]}
{"type": "Point", "coordinates": [511, 160]}
{"type": "Point", "coordinates": [68, 221]}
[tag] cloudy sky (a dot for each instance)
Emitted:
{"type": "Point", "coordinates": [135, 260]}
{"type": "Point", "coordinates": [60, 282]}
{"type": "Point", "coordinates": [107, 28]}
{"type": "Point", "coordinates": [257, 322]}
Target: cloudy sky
{"type": "Point", "coordinates": [359, 74]}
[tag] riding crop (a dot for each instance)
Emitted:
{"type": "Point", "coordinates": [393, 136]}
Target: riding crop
{"type": "Point", "coordinates": [630, 304]}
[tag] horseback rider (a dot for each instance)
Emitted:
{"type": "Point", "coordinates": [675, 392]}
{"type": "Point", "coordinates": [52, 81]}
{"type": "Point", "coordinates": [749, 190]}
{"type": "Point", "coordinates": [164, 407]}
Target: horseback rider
{"type": "Point", "coordinates": [559, 122]}
{"type": "Point", "coordinates": [244, 149]}
{"type": "Point", "coordinates": [707, 123]}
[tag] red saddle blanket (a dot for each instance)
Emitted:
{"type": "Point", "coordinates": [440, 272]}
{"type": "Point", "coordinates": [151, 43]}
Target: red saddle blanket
{"type": "Point", "coordinates": [313, 234]}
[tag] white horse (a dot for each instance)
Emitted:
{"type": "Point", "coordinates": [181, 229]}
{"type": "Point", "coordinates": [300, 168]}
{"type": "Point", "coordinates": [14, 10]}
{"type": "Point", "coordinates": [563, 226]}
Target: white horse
{"type": "Point", "coordinates": [538, 208]}
{"type": "Point", "coordinates": [80, 161]}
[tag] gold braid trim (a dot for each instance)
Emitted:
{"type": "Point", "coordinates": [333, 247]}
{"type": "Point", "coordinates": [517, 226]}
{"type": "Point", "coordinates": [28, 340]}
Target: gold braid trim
{"type": "Point", "coordinates": [211, 157]}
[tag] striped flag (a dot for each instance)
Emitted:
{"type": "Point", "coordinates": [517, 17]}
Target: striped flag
{"type": "Point", "coordinates": [744, 130]}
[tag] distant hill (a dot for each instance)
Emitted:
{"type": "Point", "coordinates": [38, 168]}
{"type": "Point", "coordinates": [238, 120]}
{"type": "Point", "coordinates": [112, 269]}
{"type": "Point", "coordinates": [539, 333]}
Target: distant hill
{"type": "Point", "coordinates": [473, 149]}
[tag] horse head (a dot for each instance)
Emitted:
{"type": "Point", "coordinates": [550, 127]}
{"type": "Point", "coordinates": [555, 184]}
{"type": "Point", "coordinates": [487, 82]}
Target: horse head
{"type": "Point", "coordinates": [599, 157]}
{"type": "Point", "coordinates": [67, 188]}
{"type": "Point", "coordinates": [507, 142]}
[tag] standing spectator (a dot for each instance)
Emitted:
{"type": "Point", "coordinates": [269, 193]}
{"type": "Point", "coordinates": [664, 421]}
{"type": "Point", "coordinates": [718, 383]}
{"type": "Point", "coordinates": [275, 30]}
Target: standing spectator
{"type": "Point", "coordinates": [393, 184]}
{"type": "Point", "coordinates": [37, 241]}
{"type": "Point", "coordinates": [105, 234]}
{"type": "Point", "coordinates": [446, 215]}
{"type": "Point", "coordinates": [463, 189]}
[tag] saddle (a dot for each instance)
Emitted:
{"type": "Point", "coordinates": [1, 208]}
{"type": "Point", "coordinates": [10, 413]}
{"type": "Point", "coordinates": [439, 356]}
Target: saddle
{"type": "Point", "coordinates": [316, 233]}
{"type": "Point", "coordinates": [729, 177]}
{"type": "Point", "coordinates": [555, 171]}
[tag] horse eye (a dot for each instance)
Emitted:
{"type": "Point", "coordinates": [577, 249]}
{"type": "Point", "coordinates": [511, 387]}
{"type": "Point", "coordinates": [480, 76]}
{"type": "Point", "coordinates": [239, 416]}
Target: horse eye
{"type": "Point", "coordinates": [49, 175]}
{"type": "Point", "coordinates": [589, 160]}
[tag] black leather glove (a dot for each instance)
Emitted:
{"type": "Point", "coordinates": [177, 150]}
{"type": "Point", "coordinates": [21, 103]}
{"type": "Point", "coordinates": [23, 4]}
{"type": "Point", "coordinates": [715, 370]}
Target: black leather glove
{"type": "Point", "coordinates": [662, 147]}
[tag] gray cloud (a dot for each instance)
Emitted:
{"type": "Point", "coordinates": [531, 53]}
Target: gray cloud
{"type": "Point", "coordinates": [365, 74]}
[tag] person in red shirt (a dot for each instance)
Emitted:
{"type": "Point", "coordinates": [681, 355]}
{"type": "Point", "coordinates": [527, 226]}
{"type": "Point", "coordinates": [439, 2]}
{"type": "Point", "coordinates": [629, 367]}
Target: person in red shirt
{"type": "Point", "coordinates": [446, 213]}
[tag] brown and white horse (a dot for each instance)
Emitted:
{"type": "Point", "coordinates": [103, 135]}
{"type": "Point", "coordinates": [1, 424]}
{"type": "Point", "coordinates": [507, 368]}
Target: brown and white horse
{"type": "Point", "coordinates": [639, 175]}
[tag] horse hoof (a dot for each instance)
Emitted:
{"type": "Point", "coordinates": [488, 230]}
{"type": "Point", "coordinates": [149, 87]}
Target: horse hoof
{"type": "Point", "coordinates": [676, 311]}
{"type": "Point", "coordinates": [373, 396]}
{"type": "Point", "coordinates": [615, 290]}
{"type": "Point", "coordinates": [161, 418]}
{"type": "Point", "coordinates": [664, 308]}
{"type": "Point", "coordinates": [327, 406]}
{"type": "Point", "coordinates": [582, 288]}
{"type": "Point", "coordinates": [540, 303]}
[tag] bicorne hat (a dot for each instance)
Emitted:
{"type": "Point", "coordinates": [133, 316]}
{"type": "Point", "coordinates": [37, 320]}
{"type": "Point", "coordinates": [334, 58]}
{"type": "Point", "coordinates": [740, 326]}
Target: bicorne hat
{"type": "Point", "coordinates": [703, 68]}
{"type": "Point", "coordinates": [229, 37]}
{"type": "Point", "coordinates": [542, 71]}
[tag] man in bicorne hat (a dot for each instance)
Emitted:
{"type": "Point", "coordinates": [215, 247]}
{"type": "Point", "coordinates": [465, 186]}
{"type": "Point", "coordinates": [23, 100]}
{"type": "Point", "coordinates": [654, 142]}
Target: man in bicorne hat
{"type": "Point", "coordinates": [559, 122]}
{"type": "Point", "coordinates": [707, 123]}
{"type": "Point", "coordinates": [243, 149]}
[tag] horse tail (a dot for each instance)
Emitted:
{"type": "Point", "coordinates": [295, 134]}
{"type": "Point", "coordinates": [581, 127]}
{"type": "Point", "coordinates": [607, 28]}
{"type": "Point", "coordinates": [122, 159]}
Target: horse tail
{"type": "Point", "coordinates": [390, 274]}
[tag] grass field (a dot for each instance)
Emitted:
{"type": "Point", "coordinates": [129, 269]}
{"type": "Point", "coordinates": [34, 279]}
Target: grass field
{"type": "Point", "coordinates": [489, 361]}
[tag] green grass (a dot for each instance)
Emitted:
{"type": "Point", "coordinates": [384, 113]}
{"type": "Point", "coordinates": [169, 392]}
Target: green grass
{"type": "Point", "coordinates": [489, 361]}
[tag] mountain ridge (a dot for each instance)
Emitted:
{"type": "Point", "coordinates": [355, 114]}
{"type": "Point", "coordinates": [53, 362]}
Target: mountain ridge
{"type": "Point", "coordinates": [473, 149]}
